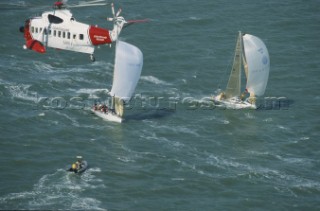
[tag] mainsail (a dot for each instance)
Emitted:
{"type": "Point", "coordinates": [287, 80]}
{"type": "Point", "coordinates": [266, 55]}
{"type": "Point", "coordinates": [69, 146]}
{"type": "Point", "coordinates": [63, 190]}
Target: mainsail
{"type": "Point", "coordinates": [127, 70]}
{"type": "Point", "coordinates": [258, 61]}
{"type": "Point", "coordinates": [234, 83]}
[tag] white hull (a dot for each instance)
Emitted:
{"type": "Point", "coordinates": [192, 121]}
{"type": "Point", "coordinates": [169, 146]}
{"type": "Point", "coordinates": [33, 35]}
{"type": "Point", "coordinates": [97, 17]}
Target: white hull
{"type": "Point", "coordinates": [234, 103]}
{"type": "Point", "coordinates": [109, 116]}
{"type": "Point", "coordinates": [251, 55]}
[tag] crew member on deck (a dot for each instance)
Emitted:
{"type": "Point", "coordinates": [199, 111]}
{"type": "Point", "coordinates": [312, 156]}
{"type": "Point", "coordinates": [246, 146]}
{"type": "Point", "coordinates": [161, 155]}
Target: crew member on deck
{"type": "Point", "coordinates": [222, 96]}
{"type": "Point", "coordinates": [252, 98]}
{"type": "Point", "coordinates": [79, 162]}
{"type": "Point", "coordinates": [58, 5]}
{"type": "Point", "coordinates": [95, 107]}
{"type": "Point", "coordinates": [243, 94]}
{"type": "Point", "coordinates": [105, 109]}
{"type": "Point", "coordinates": [74, 168]}
{"type": "Point", "coordinates": [77, 165]}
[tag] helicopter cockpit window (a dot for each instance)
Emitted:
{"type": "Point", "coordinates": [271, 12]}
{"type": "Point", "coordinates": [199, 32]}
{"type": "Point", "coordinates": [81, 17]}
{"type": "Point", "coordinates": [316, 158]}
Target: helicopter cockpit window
{"type": "Point", "coordinates": [54, 19]}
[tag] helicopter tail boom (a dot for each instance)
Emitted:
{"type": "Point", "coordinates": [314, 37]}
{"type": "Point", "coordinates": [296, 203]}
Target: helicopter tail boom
{"type": "Point", "coordinates": [99, 36]}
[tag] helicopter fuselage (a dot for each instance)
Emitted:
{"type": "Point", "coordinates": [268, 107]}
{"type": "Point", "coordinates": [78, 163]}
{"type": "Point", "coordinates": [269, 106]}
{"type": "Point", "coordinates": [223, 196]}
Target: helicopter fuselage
{"type": "Point", "coordinates": [59, 29]}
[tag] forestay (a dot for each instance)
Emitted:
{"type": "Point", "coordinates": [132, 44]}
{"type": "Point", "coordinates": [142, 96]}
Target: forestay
{"type": "Point", "coordinates": [258, 61]}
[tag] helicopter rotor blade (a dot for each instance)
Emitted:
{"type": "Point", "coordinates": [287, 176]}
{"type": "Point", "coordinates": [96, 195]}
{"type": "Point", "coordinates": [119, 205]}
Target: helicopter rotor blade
{"type": "Point", "coordinates": [91, 2]}
{"type": "Point", "coordinates": [138, 21]}
{"type": "Point", "coordinates": [112, 9]}
{"type": "Point", "coordinates": [118, 13]}
{"type": "Point", "coordinates": [87, 5]}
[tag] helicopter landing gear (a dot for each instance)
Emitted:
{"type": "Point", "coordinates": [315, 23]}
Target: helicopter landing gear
{"type": "Point", "coordinates": [92, 58]}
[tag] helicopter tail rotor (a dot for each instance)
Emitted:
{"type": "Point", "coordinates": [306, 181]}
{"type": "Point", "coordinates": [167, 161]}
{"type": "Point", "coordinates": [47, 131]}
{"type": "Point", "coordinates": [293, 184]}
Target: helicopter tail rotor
{"type": "Point", "coordinates": [115, 15]}
{"type": "Point", "coordinates": [119, 11]}
{"type": "Point", "coordinates": [118, 22]}
{"type": "Point", "coordinates": [112, 10]}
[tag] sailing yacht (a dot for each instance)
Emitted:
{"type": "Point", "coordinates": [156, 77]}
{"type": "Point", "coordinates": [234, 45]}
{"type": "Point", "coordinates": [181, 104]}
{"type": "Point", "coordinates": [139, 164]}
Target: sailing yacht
{"type": "Point", "coordinates": [251, 55]}
{"type": "Point", "coordinates": [127, 71]}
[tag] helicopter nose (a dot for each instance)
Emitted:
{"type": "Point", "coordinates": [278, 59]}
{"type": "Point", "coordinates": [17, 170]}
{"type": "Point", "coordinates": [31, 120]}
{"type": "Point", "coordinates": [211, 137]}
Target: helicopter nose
{"type": "Point", "coordinates": [21, 29]}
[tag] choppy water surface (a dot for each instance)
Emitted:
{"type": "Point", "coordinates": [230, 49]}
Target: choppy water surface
{"type": "Point", "coordinates": [173, 152]}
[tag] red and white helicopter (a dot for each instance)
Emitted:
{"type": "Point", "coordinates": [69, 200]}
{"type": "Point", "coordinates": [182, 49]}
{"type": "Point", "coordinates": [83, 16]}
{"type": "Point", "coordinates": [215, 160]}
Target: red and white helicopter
{"type": "Point", "coordinates": [59, 29]}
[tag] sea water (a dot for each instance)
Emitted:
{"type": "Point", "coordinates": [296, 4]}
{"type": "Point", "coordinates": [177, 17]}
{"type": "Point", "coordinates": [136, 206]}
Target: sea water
{"type": "Point", "coordinates": [175, 151]}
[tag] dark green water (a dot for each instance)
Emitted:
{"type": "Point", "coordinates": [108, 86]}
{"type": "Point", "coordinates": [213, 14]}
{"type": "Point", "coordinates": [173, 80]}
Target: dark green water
{"type": "Point", "coordinates": [179, 155]}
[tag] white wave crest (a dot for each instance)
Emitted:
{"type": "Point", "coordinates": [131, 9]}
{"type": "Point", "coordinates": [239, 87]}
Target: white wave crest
{"type": "Point", "coordinates": [22, 92]}
{"type": "Point", "coordinates": [154, 80]}
{"type": "Point", "coordinates": [91, 91]}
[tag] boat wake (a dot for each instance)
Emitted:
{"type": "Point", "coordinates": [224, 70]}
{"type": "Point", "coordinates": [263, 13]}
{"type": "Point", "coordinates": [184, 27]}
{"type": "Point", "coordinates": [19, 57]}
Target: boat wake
{"type": "Point", "coordinates": [60, 190]}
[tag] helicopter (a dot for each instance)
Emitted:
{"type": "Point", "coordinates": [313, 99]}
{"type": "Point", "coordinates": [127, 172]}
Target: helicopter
{"type": "Point", "coordinates": [59, 29]}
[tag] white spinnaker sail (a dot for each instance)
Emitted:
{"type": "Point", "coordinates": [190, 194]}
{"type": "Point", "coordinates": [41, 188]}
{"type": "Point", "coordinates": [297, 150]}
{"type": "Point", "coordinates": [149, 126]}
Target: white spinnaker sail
{"type": "Point", "coordinates": [127, 70]}
{"type": "Point", "coordinates": [258, 61]}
